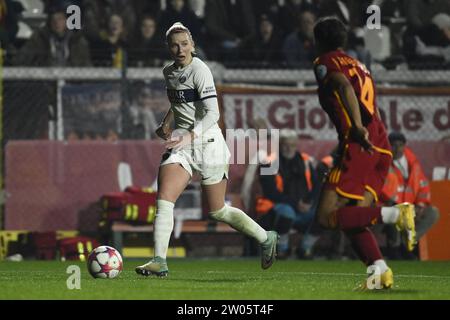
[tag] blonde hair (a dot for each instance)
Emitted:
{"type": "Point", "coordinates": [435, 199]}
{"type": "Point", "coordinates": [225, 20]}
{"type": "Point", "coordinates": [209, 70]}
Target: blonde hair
{"type": "Point", "coordinates": [178, 27]}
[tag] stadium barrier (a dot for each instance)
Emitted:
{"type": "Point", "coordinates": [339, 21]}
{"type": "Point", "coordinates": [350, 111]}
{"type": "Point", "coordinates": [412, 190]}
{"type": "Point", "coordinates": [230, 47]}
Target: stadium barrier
{"type": "Point", "coordinates": [49, 184]}
{"type": "Point", "coordinates": [420, 113]}
{"type": "Point", "coordinates": [105, 103]}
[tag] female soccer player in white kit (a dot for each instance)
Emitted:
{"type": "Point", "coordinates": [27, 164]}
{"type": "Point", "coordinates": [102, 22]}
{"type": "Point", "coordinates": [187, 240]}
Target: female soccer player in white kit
{"type": "Point", "coordinates": [196, 146]}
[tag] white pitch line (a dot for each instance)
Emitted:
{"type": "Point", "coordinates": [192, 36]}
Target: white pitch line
{"type": "Point", "coordinates": [342, 274]}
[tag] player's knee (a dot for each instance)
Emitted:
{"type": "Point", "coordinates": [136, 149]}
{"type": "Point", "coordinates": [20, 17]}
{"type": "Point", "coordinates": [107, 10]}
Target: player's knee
{"type": "Point", "coordinates": [167, 196]}
{"type": "Point", "coordinates": [219, 215]}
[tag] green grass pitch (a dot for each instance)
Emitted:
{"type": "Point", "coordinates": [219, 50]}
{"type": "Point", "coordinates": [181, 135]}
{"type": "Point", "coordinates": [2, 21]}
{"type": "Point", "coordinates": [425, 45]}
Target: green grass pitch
{"type": "Point", "coordinates": [222, 279]}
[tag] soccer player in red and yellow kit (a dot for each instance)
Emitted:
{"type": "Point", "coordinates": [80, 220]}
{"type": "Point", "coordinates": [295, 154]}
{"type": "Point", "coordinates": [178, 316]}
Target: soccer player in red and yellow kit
{"type": "Point", "coordinates": [347, 94]}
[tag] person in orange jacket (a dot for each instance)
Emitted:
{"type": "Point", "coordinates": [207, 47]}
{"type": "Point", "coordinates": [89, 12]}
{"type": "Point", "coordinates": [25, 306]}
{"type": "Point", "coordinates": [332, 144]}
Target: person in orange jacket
{"type": "Point", "coordinates": [289, 197]}
{"type": "Point", "coordinates": [406, 182]}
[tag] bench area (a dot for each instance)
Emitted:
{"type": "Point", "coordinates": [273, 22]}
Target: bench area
{"type": "Point", "coordinates": [184, 231]}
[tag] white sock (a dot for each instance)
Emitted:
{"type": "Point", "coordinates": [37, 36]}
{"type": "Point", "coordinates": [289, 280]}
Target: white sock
{"type": "Point", "coordinates": [163, 227]}
{"type": "Point", "coordinates": [390, 214]}
{"type": "Point", "coordinates": [241, 222]}
{"type": "Point", "coordinates": [382, 265]}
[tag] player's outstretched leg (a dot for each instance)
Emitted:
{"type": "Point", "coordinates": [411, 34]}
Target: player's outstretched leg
{"type": "Point", "coordinates": [241, 222]}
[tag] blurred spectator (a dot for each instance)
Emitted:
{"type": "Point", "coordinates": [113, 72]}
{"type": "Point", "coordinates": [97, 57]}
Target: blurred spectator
{"type": "Point", "coordinates": [439, 35]}
{"type": "Point", "coordinates": [148, 48]}
{"type": "Point", "coordinates": [146, 113]}
{"type": "Point", "coordinates": [326, 164]}
{"type": "Point", "coordinates": [406, 182]}
{"type": "Point", "coordinates": [419, 13]}
{"type": "Point", "coordinates": [289, 197]}
{"type": "Point", "coordinates": [427, 39]}
{"type": "Point", "coordinates": [198, 6]}
{"type": "Point", "coordinates": [10, 11]}
{"type": "Point", "coordinates": [392, 11]}
{"type": "Point", "coordinates": [227, 23]}
{"type": "Point", "coordinates": [63, 4]}
{"type": "Point", "coordinates": [356, 47]}
{"type": "Point", "coordinates": [269, 7]}
{"type": "Point", "coordinates": [96, 15]}
{"type": "Point", "coordinates": [352, 13]}
{"type": "Point", "coordinates": [178, 11]}
{"type": "Point", "coordinates": [265, 7]}
{"type": "Point", "coordinates": [109, 48]}
{"type": "Point", "coordinates": [298, 47]}
{"type": "Point", "coordinates": [111, 135]}
{"type": "Point", "coordinates": [54, 45]}
{"type": "Point", "coordinates": [145, 8]}
{"type": "Point", "coordinates": [264, 48]}
{"type": "Point", "coordinates": [394, 16]}
{"type": "Point", "coordinates": [73, 135]}
{"type": "Point", "coordinates": [290, 12]}
{"type": "Point", "coordinates": [430, 45]}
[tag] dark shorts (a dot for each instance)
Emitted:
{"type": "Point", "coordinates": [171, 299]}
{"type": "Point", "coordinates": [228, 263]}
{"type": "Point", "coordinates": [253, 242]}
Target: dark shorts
{"type": "Point", "coordinates": [357, 171]}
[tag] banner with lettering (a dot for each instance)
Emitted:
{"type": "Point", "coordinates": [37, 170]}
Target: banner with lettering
{"type": "Point", "coordinates": [419, 116]}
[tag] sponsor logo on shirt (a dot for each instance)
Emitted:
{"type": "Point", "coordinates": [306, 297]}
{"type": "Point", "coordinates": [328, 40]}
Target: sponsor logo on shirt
{"type": "Point", "coordinates": [182, 96]}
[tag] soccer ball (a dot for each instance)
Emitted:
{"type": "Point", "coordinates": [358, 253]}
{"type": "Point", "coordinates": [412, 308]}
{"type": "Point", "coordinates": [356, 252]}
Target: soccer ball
{"type": "Point", "coordinates": [105, 262]}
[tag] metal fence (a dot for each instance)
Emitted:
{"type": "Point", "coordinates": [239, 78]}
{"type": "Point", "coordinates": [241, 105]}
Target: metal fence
{"type": "Point", "coordinates": [111, 104]}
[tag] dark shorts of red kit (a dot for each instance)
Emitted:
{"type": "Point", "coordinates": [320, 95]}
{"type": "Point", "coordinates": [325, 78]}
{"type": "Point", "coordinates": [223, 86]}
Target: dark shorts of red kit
{"type": "Point", "coordinates": [357, 171]}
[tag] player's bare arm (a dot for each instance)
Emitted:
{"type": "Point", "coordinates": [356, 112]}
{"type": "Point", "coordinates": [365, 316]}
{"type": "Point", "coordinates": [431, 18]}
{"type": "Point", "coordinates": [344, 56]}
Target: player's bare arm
{"type": "Point", "coordinates": [343, 87]}
{"type": "Point", "coordinates": [164, 130]}
{"type": "Point", "coordinates": [180, 141]}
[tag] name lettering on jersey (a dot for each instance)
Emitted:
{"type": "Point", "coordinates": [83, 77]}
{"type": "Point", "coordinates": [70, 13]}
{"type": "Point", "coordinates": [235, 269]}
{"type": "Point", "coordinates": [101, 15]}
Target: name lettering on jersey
{"type": "Point", "coordinates": [346, 61]}
{"type": "Point", "coordinates": [208, 90]}
{"type": "Point", "coordinates": [182, 96]}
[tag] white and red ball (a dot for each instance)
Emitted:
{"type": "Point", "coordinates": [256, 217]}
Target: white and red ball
{"type": "Point", "coordinates": [105, 262]}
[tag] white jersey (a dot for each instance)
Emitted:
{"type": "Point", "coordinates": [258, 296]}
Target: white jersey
{"type": "Point", "coordinates": [193, 99]}
{"type": "Point", "coordinates": [187, 89]}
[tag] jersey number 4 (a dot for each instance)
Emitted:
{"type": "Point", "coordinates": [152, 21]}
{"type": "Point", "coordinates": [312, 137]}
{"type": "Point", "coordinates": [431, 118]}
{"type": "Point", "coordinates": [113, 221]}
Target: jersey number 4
{"type": "Point", "coordinates": [367, 96]}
